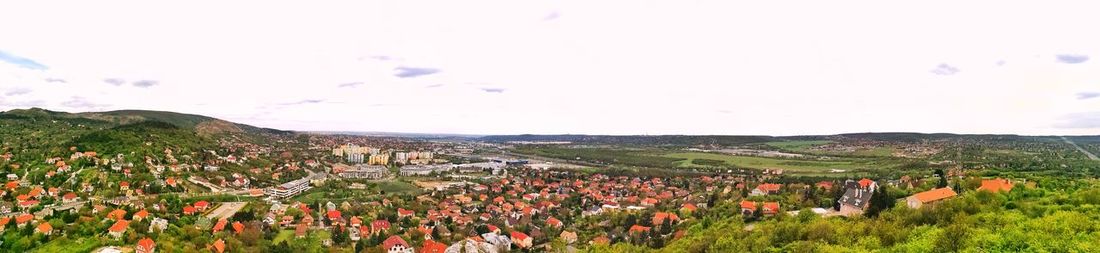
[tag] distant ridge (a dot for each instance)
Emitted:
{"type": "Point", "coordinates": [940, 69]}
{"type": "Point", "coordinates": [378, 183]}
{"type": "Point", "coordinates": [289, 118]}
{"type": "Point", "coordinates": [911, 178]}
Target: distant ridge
{"type": "Point", "coordinates": [199, 123]}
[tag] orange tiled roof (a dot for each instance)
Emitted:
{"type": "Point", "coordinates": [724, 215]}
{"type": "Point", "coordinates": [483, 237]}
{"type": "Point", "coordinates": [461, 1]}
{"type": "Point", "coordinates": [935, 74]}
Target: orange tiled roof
{"type": "Point", "coordinates": [934, 195]}
{"type": "Point", "coordinates": [120, 226]}
{"type": "Point", "coordinates": [146, 244]}
{"type": "Point", "coordinates": [769, 187]}
{"type": "Point", "coordinates": [865, 182]}
{"type": "Point", "coordinates": [45, 227]}
{"type": "Point", "coordinates": [996, 185]}
{"type": "Point", "coordinates": [745, 204]}
{"type": "Point", "coordinates": [219, 246]}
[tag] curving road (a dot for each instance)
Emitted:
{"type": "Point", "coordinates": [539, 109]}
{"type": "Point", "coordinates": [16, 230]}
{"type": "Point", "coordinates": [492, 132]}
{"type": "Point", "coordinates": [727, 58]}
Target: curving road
{"type": "Point", "coordinates": [1087, 153]}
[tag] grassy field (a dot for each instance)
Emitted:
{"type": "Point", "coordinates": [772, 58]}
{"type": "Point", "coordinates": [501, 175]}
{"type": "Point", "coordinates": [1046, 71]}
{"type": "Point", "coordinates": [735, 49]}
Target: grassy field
{"type": "Point", "coordinates": [672, 160]}
{"type": "Point", "coordinates": [643, 158]}
{"type": "Point", "coordinates": [768, 163]}
{"type": "Point", "coordinates": [804, 147]}
{"type": "Point", "coordinates": [312, 195]}
{"type": "Point", "coordinates": [796, 145]}
{"type": "Point", "coordinates": [66, 245]}
{"type": "Point", "coordinates": [397, 187]}
{"type": "Point", "coordinates": [283, 235]}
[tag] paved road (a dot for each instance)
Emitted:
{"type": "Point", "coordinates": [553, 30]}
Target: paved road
{"type": "Point", "coordinates": [226, 210]}
{"type": "Point", "coordinates": [213, 188]}
{"type": "Point", "coordinates": [1087, 153]}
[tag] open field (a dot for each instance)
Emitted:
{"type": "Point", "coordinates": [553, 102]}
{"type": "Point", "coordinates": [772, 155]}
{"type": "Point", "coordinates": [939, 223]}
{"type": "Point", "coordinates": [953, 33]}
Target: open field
{"type": "Point", "coordinates": [711, 159]}
{"type": "Point", "coordinates": [397, 187]}
{"type": "Point", "coordinates": [677, 159]}
{"type": "Point", "coordinates": [604, 156]}
{"type": "Point", "coordinates": [796, 145]}
{"type": "Point", "coordinates": [65, 244]}
{"type": "Point", "coordinates": [283, 235]}
{"type": "Point", "coordinates": [806, 147]}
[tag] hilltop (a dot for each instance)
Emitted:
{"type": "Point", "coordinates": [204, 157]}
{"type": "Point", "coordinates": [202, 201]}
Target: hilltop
{"type": "Point", "coordinates": [199, 123]}
{"type": "Point", "coordinates": [46, 132]}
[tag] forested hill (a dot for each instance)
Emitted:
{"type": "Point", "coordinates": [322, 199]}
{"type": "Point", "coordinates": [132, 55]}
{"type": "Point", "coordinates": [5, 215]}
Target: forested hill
{"type": "Point", "coordinates": [199, 123]}
{"type": "Point", "coordinates": [41, 132]}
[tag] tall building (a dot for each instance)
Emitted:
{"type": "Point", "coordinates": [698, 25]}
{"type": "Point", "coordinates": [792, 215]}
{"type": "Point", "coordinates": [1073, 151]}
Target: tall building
{"type": "Point", "coordinates": [356, 154]}
{"type": "Point", "coordinates": [355, 158]}
{"type": "Point", "coordinates": [379, 159]}
{"type": "Point", "coordinates": [415, 157]}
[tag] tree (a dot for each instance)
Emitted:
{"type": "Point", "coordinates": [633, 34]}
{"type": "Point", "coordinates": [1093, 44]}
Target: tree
{"type": "Point", "coordinates": [666, 226]}
{"type": "Point", "coordinates": [943, 179]}
{"type": "Point", "coordinates": [838, 192]}
{"type": "Point", "coordinates": [339, 237]}
{"type": "Point", "coordinates": [283, 247]}
{"type": "Point", "coordinates": [880, 201]}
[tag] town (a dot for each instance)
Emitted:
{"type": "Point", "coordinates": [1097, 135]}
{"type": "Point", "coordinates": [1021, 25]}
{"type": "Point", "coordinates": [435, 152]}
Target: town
{"type": "Point", "coordinates": [346, 193]}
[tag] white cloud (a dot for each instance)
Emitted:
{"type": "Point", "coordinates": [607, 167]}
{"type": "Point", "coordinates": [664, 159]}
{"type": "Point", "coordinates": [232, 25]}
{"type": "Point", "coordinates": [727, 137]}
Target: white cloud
{"type": "Point", "coordinates": [619, 67]}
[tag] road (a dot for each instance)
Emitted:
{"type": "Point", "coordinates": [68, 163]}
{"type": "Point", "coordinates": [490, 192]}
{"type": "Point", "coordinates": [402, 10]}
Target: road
{"type": "Point", "coordinates": [226, 210]}
{"type": "Point", "coordinates": [1087, 153]}
{"type": "Point", "coordinates": [213, 188]}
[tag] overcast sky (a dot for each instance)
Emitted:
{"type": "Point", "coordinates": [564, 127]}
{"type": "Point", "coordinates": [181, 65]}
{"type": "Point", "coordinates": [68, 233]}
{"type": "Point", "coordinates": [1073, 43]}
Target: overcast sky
{"type": "Point", "coordinates": [581, 67]}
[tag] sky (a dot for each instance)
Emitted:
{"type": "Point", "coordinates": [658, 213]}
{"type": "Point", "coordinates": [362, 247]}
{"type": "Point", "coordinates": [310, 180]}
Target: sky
{"type": "Point", "coordinates": [567, 67]}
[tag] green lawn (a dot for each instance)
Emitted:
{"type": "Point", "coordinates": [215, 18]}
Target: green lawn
{"type": "Point", "coordinates": [283, 235]}
{"type": "Point", "coordinates": [311, 195]}
{"type": "Point", "coordinates": [770, 163]}
{"type": "Point", "coordinates": [64, 244]}
{"type": "Point", "coordinates": [397, 187]}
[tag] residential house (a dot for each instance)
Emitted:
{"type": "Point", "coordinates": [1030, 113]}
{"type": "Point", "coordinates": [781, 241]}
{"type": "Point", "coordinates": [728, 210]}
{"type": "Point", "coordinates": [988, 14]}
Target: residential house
{"type": "Point", "coordinates": [220, 225]}
{"type": "Point", "coordinates": [688, 208]}
{"type": "Point", "coordinates": [4, 223]}
{"type": "Point", "coordinates": [201, 206]}
{"type": "Point", "coordinates": [140, 215]}
{"type": "Point", "coordinates": [158, 224]}
{"type": "Point", "coordinates": [118, 228]}
{"type": "Point", "coordinates": [69, 198]}
{"type": "Point", "coordinates": [379, 226]}
{"type": "Point", "coordinates": [238, 227]}
{"type": "Point", "coordinates": [660, 217]}
{"type": "Point", "coordinates": [553, 222]}
{"type": "Point", "coordinates": [145, 245]}
{"type": "Point", "coordinates": [430, 246]}
{"type": "Point", "coordinates": [929, 197]}
{"type": "Point", "coordinates": [747, 207]}
{"type": "Point", "coordinates": [568, 236]}
{"type": "Point", "coordinates": [402, 213]}
{"type": "Point", "coordinates": [856, 198]}
{"type": "Point", "coordinates": [770, 208]}
{"type": "Point", "coordinates": [44, 228]}
{"type": "Point", "coordinates": [117, 215]}
{"type": "Point", "coordinates": [218, 246]}
{"type": "Point", "coordinates": [996, 185]}
{"type": "Point", "coordinates": [521, 240]}
{"type": "Point", "coordinates": [23, 219]}
{"type": "Point", "coordinates": [766, 189]}
{"type": "Point", "coordinates": [395, 244]}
